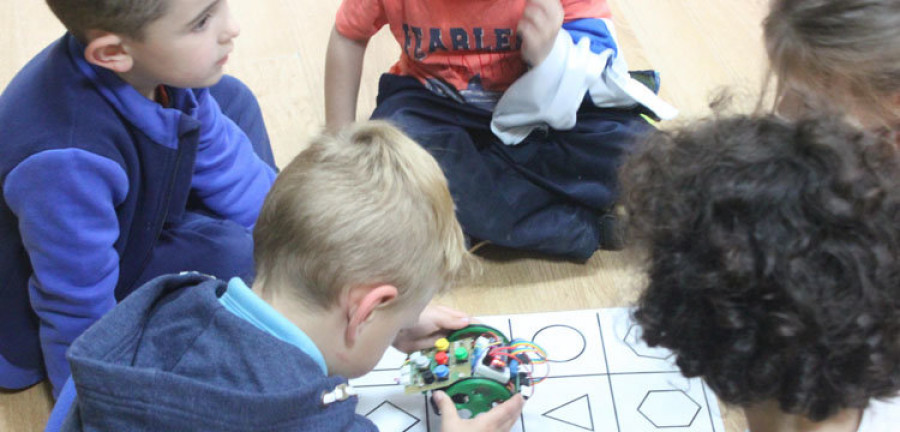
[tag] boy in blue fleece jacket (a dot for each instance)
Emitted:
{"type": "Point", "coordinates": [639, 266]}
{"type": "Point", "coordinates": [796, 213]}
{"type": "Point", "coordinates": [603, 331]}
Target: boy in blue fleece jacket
{"type": "Point", "coordinates": [119, 165]}
{"type": "Point", "coordinates": [354, 240]}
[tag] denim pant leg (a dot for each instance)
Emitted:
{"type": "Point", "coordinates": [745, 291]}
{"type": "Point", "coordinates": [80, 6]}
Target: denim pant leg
{"type": "Point", "coordinates": [201, 243]}
{"type": "Point", "coordinates": [494, 200]}
{"type": "Point", "coordinates": [240, 105]}
{"type": "Point", "coordinates": [582, 163]}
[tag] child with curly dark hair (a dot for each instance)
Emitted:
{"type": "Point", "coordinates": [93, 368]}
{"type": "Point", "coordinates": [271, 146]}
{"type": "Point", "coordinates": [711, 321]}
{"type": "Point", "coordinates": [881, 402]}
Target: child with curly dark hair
{"type": "Point", "coordinates": [773, 268]}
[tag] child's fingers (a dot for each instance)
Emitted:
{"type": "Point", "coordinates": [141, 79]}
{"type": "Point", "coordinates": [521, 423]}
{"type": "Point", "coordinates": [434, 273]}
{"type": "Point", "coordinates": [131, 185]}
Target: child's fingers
{"type": "Point", "coordinates": [502, 417]}
{"type": "Point", "coordinates": [525, 28]}
{"type": "Point", "coordinates": [445, 406]}
{"type": "Point", "coordinates": [451, 311]}
{"type": "Point", "coordinates": [544, 12]}
{"type": "Point", "coordinates": [530, 31]}
{"type": "Point", "coordinates": [452, 322]}
{"type": "Point", "coordinates": [540, 20]}
{"type": "Point", "coordinates": [534, 5]}
{"type": "Point", "coordinates": [408, 344]}
{"type": "Point", "coordinates": [446, 318]}
{"type": "Point", "coordinates": [532, 19]}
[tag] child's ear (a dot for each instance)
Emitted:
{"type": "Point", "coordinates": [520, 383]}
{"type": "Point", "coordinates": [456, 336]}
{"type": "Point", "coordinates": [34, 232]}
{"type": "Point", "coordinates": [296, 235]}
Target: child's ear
{"type": "Point", "coordinates": [360, 305]}
{"type": "Point", "coordinates": [107, 50]}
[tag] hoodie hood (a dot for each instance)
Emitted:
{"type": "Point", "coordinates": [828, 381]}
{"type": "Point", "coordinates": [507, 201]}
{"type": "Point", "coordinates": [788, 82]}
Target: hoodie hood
{"type": "Point", "coordinates": [171, 357]}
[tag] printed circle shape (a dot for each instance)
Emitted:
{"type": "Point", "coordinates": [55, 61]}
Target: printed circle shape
{"type": "Point", "coordinates": [568, 332]}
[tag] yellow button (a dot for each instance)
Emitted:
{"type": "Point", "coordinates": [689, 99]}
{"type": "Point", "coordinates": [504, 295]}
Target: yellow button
{"type": "Point", "coordinates": [442, 344]}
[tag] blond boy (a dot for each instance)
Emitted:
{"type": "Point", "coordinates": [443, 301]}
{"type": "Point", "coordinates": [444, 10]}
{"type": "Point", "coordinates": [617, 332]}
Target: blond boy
{"type": "Point", "coordinates": [355, 238]}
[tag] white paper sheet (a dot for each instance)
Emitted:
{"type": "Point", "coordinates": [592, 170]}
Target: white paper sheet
{"type": "Point", "coordinates": [601, 378]}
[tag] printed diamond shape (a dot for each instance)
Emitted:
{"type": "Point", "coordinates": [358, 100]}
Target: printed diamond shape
{"type": "Point", "coordinates": [634, 341]}
{"type": "Point", "coordinates": [390, 417]}
{"type": "Point", "coordinates": [669, 408]}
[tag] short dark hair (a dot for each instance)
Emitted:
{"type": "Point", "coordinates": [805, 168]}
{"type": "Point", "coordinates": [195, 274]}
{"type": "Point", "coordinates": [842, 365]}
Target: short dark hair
{"type": "Point", "coordinates": [773, 268]}
{"type": "Point", "coordinates": [126, 17]}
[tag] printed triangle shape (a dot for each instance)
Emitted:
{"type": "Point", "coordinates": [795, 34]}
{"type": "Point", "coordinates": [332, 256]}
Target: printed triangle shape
{"type": "Point", "coordinates": [576, 412]}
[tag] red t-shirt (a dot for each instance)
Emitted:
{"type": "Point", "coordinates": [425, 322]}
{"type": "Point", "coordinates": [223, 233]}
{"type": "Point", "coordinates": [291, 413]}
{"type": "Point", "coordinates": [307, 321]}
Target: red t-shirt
{"type": "Point", "coordinates": [472, 45]}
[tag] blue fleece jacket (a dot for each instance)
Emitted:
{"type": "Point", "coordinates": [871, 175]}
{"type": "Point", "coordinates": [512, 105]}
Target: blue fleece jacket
{"type": "Point", "coordinates": [172, 357]}
{"type": "Point", "coordinates": [91, 171]}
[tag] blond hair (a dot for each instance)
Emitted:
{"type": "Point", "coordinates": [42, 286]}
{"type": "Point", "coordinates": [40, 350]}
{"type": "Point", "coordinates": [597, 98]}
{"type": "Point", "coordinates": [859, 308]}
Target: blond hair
{"type": "Point", "coordinates": [366, 207]}
{"type": "Point", "coordinates": [837, 47]}
{"type": "Point", "coordinates": [125, 17]}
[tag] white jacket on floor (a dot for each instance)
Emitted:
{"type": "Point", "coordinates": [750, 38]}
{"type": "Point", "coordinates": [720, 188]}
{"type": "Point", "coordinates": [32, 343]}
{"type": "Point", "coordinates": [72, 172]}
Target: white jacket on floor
{"type": "Point", "coordinates": [551, 93]}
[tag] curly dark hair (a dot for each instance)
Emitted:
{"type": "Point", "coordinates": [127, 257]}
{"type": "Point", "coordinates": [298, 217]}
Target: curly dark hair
{"type": "Point", "coordinates": [772, 254]}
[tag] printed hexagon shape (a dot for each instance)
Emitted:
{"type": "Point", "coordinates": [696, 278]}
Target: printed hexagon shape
{"type": "Point", "coordinates": [636, 344]}
{"type": "Point", "coordinates": [669, 408]}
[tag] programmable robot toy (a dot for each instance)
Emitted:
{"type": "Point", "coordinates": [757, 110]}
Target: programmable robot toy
{"type": "Point", "coordinates": [477, 366]}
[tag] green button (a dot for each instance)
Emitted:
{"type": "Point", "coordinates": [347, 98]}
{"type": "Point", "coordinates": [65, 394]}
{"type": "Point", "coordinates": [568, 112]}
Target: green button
{"type": "Point", "coordinates": [461, 353]}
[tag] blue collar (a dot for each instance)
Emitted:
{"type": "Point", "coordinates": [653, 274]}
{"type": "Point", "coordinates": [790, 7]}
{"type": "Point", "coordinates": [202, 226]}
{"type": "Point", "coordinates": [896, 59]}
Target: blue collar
{"type": "Point", "coordinates": [160, 124]}
{"type": "Point", "coordinates": [241, 301]}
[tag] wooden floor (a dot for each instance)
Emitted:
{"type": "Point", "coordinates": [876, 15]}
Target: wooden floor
{"type": "Point", "coordinates": [698, 46]}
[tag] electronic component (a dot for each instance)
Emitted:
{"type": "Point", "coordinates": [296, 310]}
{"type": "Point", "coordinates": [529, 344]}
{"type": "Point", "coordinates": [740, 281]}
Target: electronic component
{"type": "Point", "coordinates": [461, 354]}
{"type": "Point", "coordinates": [501, 375]}
{"type": "Point", "coordinates": [421, 361]}
{"type": "Point", "coordinates": [442, 344]}
{"type": "Point", "coordinates": [442, 372]}
{"type": "Point", "coordinates": [427, 376]}
{"type": "Point", "coordinates": [477, 366]}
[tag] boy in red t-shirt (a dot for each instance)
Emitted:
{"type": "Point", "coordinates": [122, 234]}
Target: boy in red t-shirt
{"type": "Point", "coordinates": [496, 91]}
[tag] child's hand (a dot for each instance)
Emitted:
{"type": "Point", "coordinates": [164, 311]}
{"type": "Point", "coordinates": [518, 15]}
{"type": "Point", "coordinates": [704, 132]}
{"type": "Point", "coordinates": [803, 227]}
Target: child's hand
{"type": "Point", "coordinates": [539, 26]}
{"type": "Point", "coordinates": [500, 418]}
{"type": "Point", "coordinates": [434, 321]}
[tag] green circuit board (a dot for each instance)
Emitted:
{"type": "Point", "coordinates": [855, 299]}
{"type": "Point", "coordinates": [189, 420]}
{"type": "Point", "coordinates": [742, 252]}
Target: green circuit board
{"type": "Point", "coordinates": [458, 368]}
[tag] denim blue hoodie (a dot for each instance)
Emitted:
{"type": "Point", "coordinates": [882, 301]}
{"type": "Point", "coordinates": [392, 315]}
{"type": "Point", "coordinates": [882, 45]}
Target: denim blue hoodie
{"type": "Point", "coordinates": [172, 357]}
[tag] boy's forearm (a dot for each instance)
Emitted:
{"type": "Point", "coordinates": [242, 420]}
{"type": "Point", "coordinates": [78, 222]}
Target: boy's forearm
{"type": "Point", "coordinates": [343, 69]}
